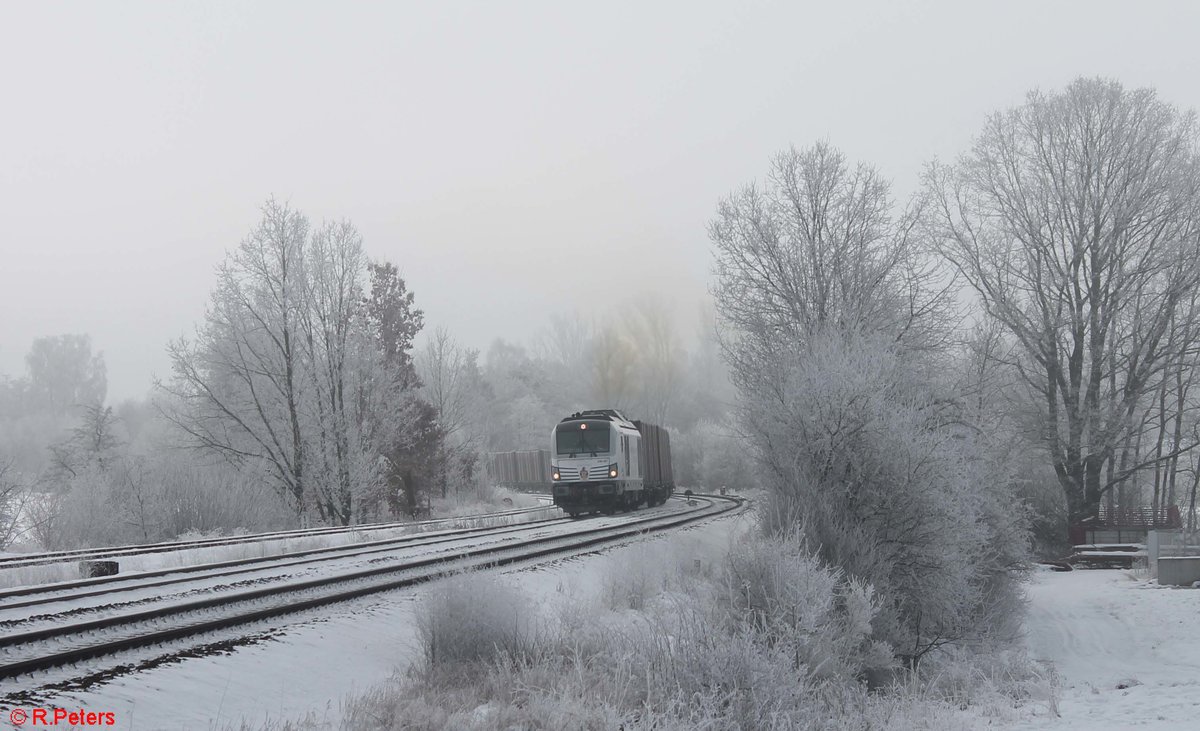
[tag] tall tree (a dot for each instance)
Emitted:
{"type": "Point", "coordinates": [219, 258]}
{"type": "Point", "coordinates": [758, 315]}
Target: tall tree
{"type": "Point", "coordinates": [1075, 218]}
{"type": "Point", "coordinates": [658, 357]}
{"type": "Point", "coordinates": [614, 368]}
{"type": "Point", "coordinates": [832, 315]}
{"type": "Point", "coordinates": [238, 388]}
{"type": "Point", "coordinates": [452, 385]}
{"type": "Point", "coordinates": [410, 450]}
{"type": "Point", "coordinates": [331, 323]}
{"type": "Point", "coordinates": [296, 369]}
{"type": "Point", "coordinates": [64, 374]}
{"type": "Point", "coordinates": [817, 247]}
{"type": "Point", "coordinates": [395, 319]}
{"type": "Point", "coordinates": [12, 502]}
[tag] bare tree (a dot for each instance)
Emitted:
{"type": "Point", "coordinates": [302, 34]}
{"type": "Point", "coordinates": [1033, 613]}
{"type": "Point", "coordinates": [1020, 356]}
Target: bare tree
{"type": "Point", "coordinates": [238, 387]}
{"type": "Point", "coordinates": [614, 369]}
{"type": "Point", "coordinates": [13, 496]}
{"type": "Point", "coordinates": [452, 386]}
{"type": "Point", "coordinates": [443, 366]}
{"type": "Point", "coordinates": [818, 248]}
{"type": "Point", "coordinates": [1074, 218]}
{"type": "Point", "coordinates": [658, 356]}
{"type": "Point", "coordinates": [333, 322]}
{"type": "Point", "coordinates": [567, 340]}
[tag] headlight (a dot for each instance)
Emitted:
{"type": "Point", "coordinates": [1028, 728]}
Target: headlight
{"type": "Point", "coordinates": [612, 470]}
{"type": "Point", "coordinates": [554, 474]}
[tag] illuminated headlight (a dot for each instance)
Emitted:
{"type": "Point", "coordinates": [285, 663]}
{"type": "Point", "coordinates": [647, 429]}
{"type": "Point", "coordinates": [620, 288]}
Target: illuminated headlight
{"type": "Point", "coordinates": [555, 474]}
{"type": "Point", "coordinates": [612, 470]}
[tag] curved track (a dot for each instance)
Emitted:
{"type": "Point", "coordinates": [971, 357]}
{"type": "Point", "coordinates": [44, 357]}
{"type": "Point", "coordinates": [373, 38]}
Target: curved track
{"type": "Point", "coordinates": [58, 592]}
{"type": "Point", "coordinates": [46, 640]}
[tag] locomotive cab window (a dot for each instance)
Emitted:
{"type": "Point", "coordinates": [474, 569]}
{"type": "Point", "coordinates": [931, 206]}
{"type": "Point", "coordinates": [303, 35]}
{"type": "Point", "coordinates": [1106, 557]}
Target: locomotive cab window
{"type": "Point", "coordinates": [573, 440]}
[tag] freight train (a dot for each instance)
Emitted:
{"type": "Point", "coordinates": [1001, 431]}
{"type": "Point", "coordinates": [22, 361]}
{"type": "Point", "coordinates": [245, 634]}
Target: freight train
{"type": "Point", "coordinates": [603, 462]}
{"type": "Point", "coordinates": [525, 470]}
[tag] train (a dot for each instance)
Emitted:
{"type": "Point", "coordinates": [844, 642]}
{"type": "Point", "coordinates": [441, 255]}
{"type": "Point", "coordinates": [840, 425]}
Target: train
{"type": "Point", "coordinates": [526, 470]}
{"type": "Point", "coordinates": [603, 462]}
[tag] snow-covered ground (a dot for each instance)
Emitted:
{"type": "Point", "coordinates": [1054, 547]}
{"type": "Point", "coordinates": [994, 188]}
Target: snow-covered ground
{"type": "Point", "coordinates": [1127, 651]}
{"type": "Point", "coordinates": [68, 570]}
{"type": "Point", "coordinates": [308, 668]}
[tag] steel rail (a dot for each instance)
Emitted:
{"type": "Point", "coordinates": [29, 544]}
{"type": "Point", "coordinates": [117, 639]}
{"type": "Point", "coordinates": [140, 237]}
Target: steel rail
{"type": "Point", "coordinates": [528, 550]}
{"type": "Point", "coordinates": [81, 554]}
{"type": "Point", "coordinates": [134, 582]}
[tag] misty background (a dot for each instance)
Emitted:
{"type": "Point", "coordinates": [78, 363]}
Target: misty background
{"type": "Point", "coordinates": [921, 280]}
{"type": "Point", "coordinates": [514, 161]}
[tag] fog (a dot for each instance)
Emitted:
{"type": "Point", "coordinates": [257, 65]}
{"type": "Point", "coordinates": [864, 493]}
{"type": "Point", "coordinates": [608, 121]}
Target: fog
{"type": "Point", "coordinates": [515, 160]}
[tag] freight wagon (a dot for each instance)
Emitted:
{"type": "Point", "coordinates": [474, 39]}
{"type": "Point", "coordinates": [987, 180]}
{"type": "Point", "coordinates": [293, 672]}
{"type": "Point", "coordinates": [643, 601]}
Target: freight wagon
{"type": "Point", "coordinates": [602, 462]}
{"type": "Point", "coordinates": [526, 471]}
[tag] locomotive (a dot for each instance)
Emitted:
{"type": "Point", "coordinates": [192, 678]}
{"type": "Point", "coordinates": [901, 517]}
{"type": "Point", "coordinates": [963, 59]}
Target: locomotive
{"type": "Point", "coordinates": [603, 462]}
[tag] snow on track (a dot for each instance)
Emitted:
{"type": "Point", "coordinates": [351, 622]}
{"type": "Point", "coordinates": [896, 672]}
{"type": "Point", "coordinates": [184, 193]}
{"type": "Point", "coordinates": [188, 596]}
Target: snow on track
{"type": "Point", "coordinates": [60, 644]}
{"type": "Point", "coordinates": [47, 571]}
{"type": "Point", "coordinates": [314, 662]}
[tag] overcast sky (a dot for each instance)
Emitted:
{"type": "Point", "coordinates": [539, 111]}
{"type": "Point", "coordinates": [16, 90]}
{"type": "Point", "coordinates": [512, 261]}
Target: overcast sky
{"type": "Point", "coordinates": [512, 158]}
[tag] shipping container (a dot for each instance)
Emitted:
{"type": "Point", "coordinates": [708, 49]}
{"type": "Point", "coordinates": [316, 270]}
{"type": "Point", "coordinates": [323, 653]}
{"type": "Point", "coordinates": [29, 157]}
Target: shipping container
{"type": "Point", "coordinates": [525, 470]}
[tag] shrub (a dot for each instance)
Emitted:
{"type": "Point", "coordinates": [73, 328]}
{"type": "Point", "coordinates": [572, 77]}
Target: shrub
{"type": "Point", "coordinates": [875, 467]}
{"type": "Point", "coordinates": [772, 639]}
{"type": "Point", "coordinates": [472, 619]}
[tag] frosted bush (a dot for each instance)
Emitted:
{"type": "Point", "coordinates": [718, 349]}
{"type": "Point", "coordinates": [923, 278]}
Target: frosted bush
{"type": "Point", "coordinates": [792, 600]}
{"type": "Point", "coordinates": [771, 639]}
{"type": "Point", "coordinates": [473, 619]}
{"type": "Point", "coordinates": [874, 466]}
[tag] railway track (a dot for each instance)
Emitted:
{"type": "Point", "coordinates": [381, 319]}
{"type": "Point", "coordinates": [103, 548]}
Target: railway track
{"type": "Point", "coordinates": [105, 586]}
{"type": "Point", "coordinates": [48, 640]}
{"type": "Point", "coordinates": [91, 554]}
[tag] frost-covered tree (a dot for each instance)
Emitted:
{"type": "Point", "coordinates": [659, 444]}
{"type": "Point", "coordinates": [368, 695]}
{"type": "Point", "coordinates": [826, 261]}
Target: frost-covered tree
{"type": "Point", "coordinates": [341, 365]}
{"type": "Point", "coordinates": [834, 326]}
{"type": "Point", "coordinates": [657, 358]}
{"type": "Point", "coordinates": [1076, 219]}
{"type": "Point", "coordinates": [818, 247]}
{"type": "Point", "coordinates": [64, 374]}
{"type": "Point", "coordinates": [615, 372]}
{"type": "Point", "coordinates": [296, 369]}
{"type": "Point", "coordinates": [238, 388]}
{"type": "Point", "coordinates": [521, 406]}
{"type": "Point", "coordinates": [453, 385]}
{"type": "Point", "coordinates": [410, 440]}
{"type": "Point", "coordinates": [12, 501]}
{"type": "Point", "coordinates": [892, 488]}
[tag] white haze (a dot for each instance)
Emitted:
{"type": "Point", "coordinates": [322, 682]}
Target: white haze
{"type": "Point", "coordinates": [514, 159]}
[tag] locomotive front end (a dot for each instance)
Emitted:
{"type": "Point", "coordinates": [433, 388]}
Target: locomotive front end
{"type": "Point", "coordinates": [584, 470]}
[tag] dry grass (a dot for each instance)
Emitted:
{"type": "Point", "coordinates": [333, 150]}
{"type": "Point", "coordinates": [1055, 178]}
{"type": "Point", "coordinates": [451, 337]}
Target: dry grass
{"type": "Point", "coordinates": [769, 639]}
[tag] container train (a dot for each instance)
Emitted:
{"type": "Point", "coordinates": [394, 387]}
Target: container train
{"type": "Point", "coordinates": [603, 462]}
{"type": "Point", "coordinates": [582, 481]}
{"type": "Point", "coordinates": [525, 470]}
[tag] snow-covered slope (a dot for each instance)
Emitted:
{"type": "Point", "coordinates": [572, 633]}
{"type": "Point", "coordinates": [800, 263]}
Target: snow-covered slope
{"type": "Point", "coordinates": [1127, 651]}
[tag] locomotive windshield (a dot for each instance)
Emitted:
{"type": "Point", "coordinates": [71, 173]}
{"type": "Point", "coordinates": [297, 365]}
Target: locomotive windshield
{"type": "Point", "coordinates": [576, 440]}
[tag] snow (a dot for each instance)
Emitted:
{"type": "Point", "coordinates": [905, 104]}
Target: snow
{"type": "Point", "coordinates": [1118, 554]}
{"type": "Point", "coordinates": [188, 555]}
{"type": "Point", "coordinates": [1127, 651]}
{"type": "Point", "coordinates": [309, 667]}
